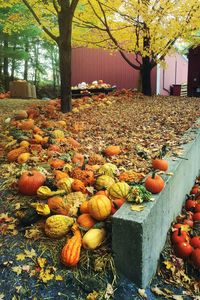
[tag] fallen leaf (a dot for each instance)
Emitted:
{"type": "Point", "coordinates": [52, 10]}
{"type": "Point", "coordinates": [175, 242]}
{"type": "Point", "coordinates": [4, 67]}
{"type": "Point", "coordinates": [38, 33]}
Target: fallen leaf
{"type": "Point", "coordinates": [46, 275]}
{"type": "Point", "coordinates": [142, 293]}
{"type": "Point", "coordinates": [137, 207]}
{"type": "Point", "coordinates": [58, 277]}
{"type": "Point", "coordinates": [17, 269]}
{"type": "Point", "coordinates": [41, 262]}
{"type": "Point", "coordinates": [20, 256]}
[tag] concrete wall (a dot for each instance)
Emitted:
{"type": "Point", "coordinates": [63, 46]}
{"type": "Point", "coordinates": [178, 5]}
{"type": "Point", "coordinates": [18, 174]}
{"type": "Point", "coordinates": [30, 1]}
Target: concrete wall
{"type": "Point", "coordinates": [139, 237]}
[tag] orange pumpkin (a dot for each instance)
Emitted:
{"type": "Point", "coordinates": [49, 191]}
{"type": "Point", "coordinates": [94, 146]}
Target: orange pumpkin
{"type": "Point", "coordinates": [112, 150]}
{"type": "Point", "coordinates": [58, 205]}
{"type": "Point", "coordinates": [84, 207]}
{"type": "Point", "coordinates": [86, 220]}
{"type": "Point", "coordinates": [73, 143]}
{"type": "Point", "coordinates": [78, 159]}
{"type": "Point", "coordinates": [70, 253]}
{"type": "Point", "coordinates": [78, 186]}
{"type": "Point", "coordinates": [87, 177]}
{"type": "Point", "coordinates": [59, 174]}
{"type": "Point", "coordinates": [99, 207]}
{"type": "Point", "coordinates": [160, 164]}
{"type": "Point", "coordinates": [57, 163]}
{"type": "Point", "coordinates": [13, 154]}
{"type": "Point", "coordinates": [27, 125]}
{"type": "Point", "coordinates": [30, 181]}
{"type": "Point", "coordinates": [154, 183]}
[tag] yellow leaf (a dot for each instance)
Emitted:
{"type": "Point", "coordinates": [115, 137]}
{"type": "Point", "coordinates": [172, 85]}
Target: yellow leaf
{"type": "Point", "coordinates": [17, 270]}
{"type": "Point", "coordinates": [142, 293]}
{"type": "Point", "coordinates": [41, 262]}
{"type": "Point", "coordinates": [30, 253]}
{"type": "Point", "coordinates": [169, 265]}
{"type": "Point", "coordinates": [137, 207]}
{"type": "Point", "coordinates": [32, 233]}
{"type": "Point", "coordinates": [46, 275]}
{"type": "Point", "coordinates": [58, 277]}
{"type": "Point", "coordinates": [20, 256]}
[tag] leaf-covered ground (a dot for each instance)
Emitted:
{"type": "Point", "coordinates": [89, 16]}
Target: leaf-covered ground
{"type": "Point", "coordinates": [29, 261]}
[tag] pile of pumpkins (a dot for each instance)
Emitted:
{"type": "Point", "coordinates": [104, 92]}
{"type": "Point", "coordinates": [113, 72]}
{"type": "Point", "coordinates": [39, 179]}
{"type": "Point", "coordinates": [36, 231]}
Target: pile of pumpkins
{"type": "Point", "coordinates": [81, 190]}
{"type": "Point", "coordinates": [185, 233]}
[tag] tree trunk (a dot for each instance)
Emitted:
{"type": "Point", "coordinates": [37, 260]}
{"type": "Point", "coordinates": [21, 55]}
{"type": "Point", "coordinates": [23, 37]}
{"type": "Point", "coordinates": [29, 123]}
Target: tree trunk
{"type": "Point", "coordinates": [5, 65]}
{"type": "Point", "coordinates": [64, 44]}
{"type": "Point", "coordinates": [26, 62]}
{"type": "Point", "coordinates": [146, 76]}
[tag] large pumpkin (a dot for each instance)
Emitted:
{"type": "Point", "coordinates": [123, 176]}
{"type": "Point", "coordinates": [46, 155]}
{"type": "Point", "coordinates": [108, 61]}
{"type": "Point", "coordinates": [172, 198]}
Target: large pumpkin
{"type": "Point", "coordinates": [119, 190]}
{"type": "Point", "coordinates": [30, 181]}
{"type": "Point", "coordinates": [99, 207]}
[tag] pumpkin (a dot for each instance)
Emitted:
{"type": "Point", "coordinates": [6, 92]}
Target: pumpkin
{"type": "Point", "coordinates": [99, 207]}
{"type": "Point", "coordinates": [86, 220]}
{"type": "Point", "coordinates": [154, 183]}
{"type": "Point", "coordinates": [57, 226]}
{"type": "Point", "coordinates": [78, 159]}
{"type": "Point", "coordinates": [59, 174]}
{"type": "Point", "coordinates": [160, 164]}
{"type": "Point", "coordinates": [112, 150]}
{"type": "Point", "coordinates": [73, 143]}
{"type": "Point", "coordinates": [65, 184]}
{"type": "Point", "coordinates": [190, 204]}
{"type": "Point", "coordinates": [183, 249]}
{"type": "Point", "coordinates": [108, 169]}
{"type": "Point", "coordinates": [13, 154]}
{"type": "Point", "coordinates": [36, 147]}
{"type": "Point", "coordinates": [38, 139]}
{"type": "Point", "coordinates": [62, 123]}
{"type": "Point", "coordinates": [96, 159]}
{"type": "Point", "coordinates": [116, 204]}
{"type": "Point", "coordinates": [179, 236]}
{"type": "Point", "coordinates": [23, 157]}
{"type": "Point", "coordinates": [70, 253]}
{"type": "Point", "coordinates": [25, 144]}
{"type": "Point", "coordinates": [78, 186]}
{"type": "Point", "coordinates": [20, 115]}
{"type": "Point", "coordinates": [195, 257]}
{"type": "Point", "coordinates": [58, 205]}
{"type": "Point", "coordinates": [57, 163]}
{"type": "Point", "coordinates": [54, 147]}
{"type": "Point", "coordinates": [131, 176]}
{"type": "Point", "coordinates": [87, 177]}
{"type": "Point", "coordinates": [104, 182]}
{"type": "Point", "coordinates": [119, 190]}
{"type": "Point", "coordinates": [102, 192]}
{"type": "Point", "coordinates": [58, 134]}
{"type": "Point", "coordinates": [84, 207]}
{"type": "Point", "coordinates": [27, 125]}
{"type": "Point", "coordinates": [195, 242]}
{"type": "Point", "coordinates": [93, 238]}
{"type": "Point", "coordinates": [44, 192]}
{"type": "Point", "coordinates": [30, 181]}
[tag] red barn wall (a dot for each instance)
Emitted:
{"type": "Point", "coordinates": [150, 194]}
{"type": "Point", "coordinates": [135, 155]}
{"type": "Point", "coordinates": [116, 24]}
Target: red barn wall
{"type": "Point", "coordinates": [93, 64]}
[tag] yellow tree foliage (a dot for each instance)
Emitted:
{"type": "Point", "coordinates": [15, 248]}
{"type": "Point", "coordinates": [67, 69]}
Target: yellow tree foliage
{"type": "Point", "coordinates": [146, 28]}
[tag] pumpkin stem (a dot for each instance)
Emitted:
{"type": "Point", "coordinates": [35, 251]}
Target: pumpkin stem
{"type": "Point", "coordinates": [179, 231]}
{"type": "Point", "coordinates": [153, 174]}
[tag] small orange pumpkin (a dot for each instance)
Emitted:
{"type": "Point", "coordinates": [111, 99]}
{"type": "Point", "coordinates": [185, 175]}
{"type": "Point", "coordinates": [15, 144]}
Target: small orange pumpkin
{"type": "Point", "coordinates": [154, 183]}
{"type": "Point", "coordinates": [86, 220]}
{"type": "Point", "coordinates": [57, 163]}
{"type": "Point", "coordinates": [13, 154]}
{"type": "Point", "coordinates": [78, 186]}
{"type": "Point", "coordinates": [58, 205]}
{"type": "Point", "coordinates": [112, 150]}
{"type": "Point", "coordinates": [84, 207]}
{"type": "Point", "coordinates": [78, 159]}
{"type": "Point", "coordinates": [160, 164]}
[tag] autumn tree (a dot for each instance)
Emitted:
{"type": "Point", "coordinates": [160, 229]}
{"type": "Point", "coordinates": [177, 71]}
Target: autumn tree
{"type": "Point", "coordinates": [55, 19]}
{"type": "Point", "coordinates": [146, 28]}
